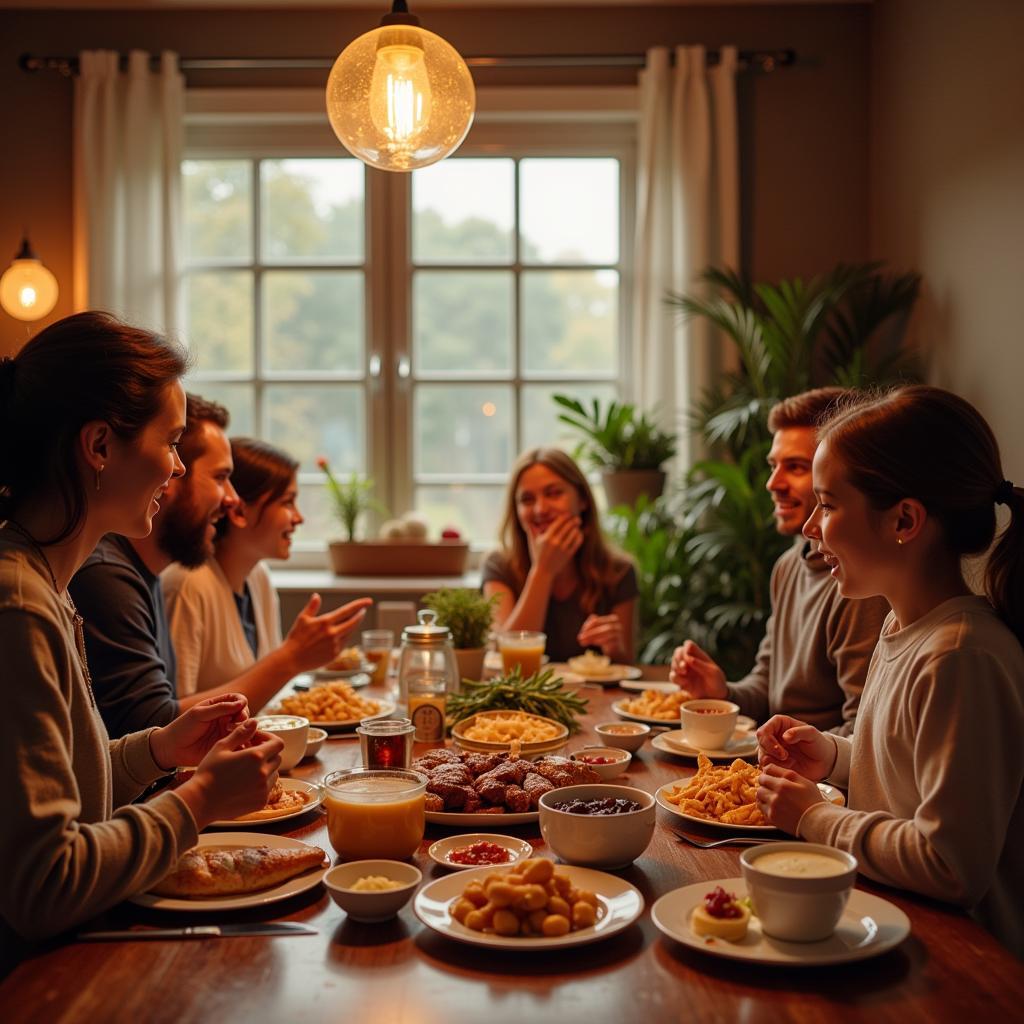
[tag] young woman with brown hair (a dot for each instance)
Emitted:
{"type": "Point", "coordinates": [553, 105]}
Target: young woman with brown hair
{"type": "Point", "coordinates": [907, 486]}
{"type": "Point", "coordinates": [555, 571]}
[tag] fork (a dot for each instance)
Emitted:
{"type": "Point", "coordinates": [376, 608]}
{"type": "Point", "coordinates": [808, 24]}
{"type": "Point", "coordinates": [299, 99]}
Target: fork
{"type": "Point", "coordinates": [682, 837]}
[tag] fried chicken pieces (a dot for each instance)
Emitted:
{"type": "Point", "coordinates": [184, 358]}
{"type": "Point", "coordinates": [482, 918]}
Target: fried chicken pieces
{"type": "Point", "coordinates": [494, 783]}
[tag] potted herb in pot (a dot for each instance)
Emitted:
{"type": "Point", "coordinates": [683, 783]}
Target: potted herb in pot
{"type": "Point", "coordinates": [350, 499]}
{"type": "Point", "coordinates": [468, 614]}
{"type": "Point", "coordinates": [628, 448]}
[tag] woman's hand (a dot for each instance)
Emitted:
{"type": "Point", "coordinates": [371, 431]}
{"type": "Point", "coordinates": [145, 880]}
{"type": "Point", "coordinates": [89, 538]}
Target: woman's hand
{"type": "Point", "coordinates": [314, 639]}
{"type": "Point", "coordinates": [235, 777]}
{"type": "Point", "coordinates": [187, 740]}
{"type": "Point", "coordinates": [695, 671]}
{"type": "Point", "coordinates": [556, 547]}
{"type": "Point", "coordinates": [604, 631]}
{"type": "Point", "coordinates": [784, 795]}
{"type": "Point", "coordinates": [789, 743]}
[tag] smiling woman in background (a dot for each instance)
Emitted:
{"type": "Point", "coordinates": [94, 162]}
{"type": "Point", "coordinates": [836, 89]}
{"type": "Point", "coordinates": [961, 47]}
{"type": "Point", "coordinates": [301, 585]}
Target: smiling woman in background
{"type": "Point", "coordinates": [555, 571]}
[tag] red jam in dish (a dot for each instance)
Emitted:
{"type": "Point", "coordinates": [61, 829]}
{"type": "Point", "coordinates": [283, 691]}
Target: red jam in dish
{"type": "Point", "coordinates": [482, 852]}
{"type": "Point", "coordinates": [719, 903]}
{"type": "Point", "coordinates": [595, 759]}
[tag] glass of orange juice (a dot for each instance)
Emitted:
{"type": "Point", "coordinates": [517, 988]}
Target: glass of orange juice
{"type": "Point", "coordinates": [377, 644]}
{"type": "Point", "coordinates": [523, 648]}
{"type": "Point", "coordinates": [375, 812]}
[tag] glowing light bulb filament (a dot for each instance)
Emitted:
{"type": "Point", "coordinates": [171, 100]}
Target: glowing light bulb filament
{"type": "Point", "coordinates": [400, 99]}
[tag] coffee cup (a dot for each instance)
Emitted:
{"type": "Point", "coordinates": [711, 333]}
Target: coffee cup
{"type": "Point", "coordinates": [708, 724]}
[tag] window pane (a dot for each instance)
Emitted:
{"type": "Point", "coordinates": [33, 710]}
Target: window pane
{"type": "Point", "coordinates": [219, 316]}
{"type": "Point", "coordinates": [463, 211]}
{"type": "Point", "coordinates": [570, 321]}
{"type": "Point", "coordinates": [462, 321]}
{"type": "Point", "coordinates": [310, 420]}
{"type": "Point", "coordinates": [475, 512]}
{"type": "Point", "coordinates": [218, 210]}
{"type": "Point", "coordinates": [312, 210]}
{"type": "Point", "coordinates": [313, 319]}
{"type": "Point", "coordinates": [540, 414]}
{"type": "Point", "coordinates": [569, 210]}
{"type": "Point", "coordinates": [463, 429]}
{"type": "Point", "coordinates": [320, 523]}
{"type": "Point", "coordinates": [238, 399]}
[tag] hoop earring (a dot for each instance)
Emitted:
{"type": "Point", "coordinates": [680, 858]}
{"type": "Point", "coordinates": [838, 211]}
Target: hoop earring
{"type": "Point", "coordinates": [99, 470]}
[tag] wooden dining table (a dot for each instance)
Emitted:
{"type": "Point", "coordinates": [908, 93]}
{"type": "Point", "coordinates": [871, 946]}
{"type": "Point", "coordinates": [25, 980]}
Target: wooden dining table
{"type": "Point", "coordinates": [400, 971]}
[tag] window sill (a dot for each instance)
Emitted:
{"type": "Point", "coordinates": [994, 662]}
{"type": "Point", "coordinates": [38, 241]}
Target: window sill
{"type": "Point", "coordinates": [290, 581]}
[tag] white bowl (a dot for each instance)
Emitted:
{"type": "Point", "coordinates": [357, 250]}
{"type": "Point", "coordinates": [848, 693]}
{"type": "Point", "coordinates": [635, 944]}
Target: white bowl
{"type": "Point", "coordinates": [593, 840]}
{"type": "Point", "coordinates": [620, 762]}
{"type": "Point", "coordinates": [708, 724]}
{"type": "Point", "coordinates": [631, 740]}
{"type": "Point", "coordinates": [314, 741]}
{"type": "Point", "coordinates": [369, 906]}
{"type": "Point", "coordinates": [293, 730]}
{"type": "Point", "coordinates": [798, 907]}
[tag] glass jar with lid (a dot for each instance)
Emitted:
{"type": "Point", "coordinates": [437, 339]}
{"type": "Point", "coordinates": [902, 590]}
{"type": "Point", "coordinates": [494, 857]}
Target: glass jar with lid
{"type": "Point", "coordinates": [427, 673]}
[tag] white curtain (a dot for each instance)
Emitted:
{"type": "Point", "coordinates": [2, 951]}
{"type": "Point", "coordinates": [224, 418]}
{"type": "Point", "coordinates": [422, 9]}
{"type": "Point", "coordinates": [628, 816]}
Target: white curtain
{"type": "Point", "coordinates": [687, 218]}
{"type": "Point", "coordinates": [128, 138]}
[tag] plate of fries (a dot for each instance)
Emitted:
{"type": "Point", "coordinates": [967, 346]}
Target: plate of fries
{"type": "Point", "coordinates": [332, 706]}
{"type": "Point", "coordinates": [652, 707]}
{"type": "Point", "coordinates": [723, 796]}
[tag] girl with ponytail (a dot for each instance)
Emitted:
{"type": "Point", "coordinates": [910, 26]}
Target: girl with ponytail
{"type": "Point", "coordinates": [908, 484]}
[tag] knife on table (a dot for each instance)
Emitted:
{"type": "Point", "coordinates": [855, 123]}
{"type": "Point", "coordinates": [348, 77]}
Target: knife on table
{"type": "Point", "coordinates": [204, 931]}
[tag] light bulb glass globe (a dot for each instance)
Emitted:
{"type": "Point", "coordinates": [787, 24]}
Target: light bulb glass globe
{"type": "Point", "coordinates": [28, 291]}
{"type": "Point", "coordinates": [400, 97]}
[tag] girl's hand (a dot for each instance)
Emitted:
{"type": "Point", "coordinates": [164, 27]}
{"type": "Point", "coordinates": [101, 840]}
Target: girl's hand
{"type": "Point", "coordinates": [695, 671]}
{"type": "Point", "coordinates": [604, 631]}
{"type": "Point", "coordinates": [314, 639]}
{"type": "Point", "coordinates": [187, 740]}
{"type": "Point", "coordinates": [556, 547]}
{"type": "Point", "coordinates": [789, 743]}
{"type": "Point", "coordinates": [784, 795]}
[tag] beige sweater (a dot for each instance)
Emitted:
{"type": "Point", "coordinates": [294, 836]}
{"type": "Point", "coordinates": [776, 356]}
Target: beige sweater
{"type": "Point", "coordinates": [816, 648]}
{"type": "Point", "coordinates": [935, 767]}
{"type": "Point", "coordinates": [65, 853]}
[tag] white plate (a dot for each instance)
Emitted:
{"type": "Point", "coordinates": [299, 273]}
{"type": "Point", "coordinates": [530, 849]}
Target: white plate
{"type": "Point", "coordinates": [869, 926]}
{"type": "Point", "coordinates": [329, 675]}
{"type": "Point", "coordinates": [518, 849]}
{"type": "Point", "coordinates": [456, 819]}
{"type": "Point", "coordinates": [386, 707]}
{"type": "Point", "coordinates": [742, 744]}
{"type": "Point", "coordinates": [300, 883]}
{"type": "Point", "coordinates": [612, 675]}
{"type": "Point", "coordinates": [830, 793]}
{"type": "Point", "coordinates": [289, 785]}
{"type": "Point", "coordinates": [646, 684]}
{"type": "Point", "coordinates": [620, 905]}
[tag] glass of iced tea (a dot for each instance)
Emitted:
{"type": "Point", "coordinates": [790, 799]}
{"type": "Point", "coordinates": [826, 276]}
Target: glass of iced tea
{"type": "Point", "coordinates": [386, 742]}
{"type": "Point", "coordinates": [523, 648]}
{"type": "Point", "coordinates": [375, 812]}
{"type": "Point", "coordinates": [377, 644]}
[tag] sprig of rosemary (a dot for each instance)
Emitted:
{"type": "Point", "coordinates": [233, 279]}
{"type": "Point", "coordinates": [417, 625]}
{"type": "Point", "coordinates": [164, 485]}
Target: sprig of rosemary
{"type": "Point", "coordinates": [543, 694]}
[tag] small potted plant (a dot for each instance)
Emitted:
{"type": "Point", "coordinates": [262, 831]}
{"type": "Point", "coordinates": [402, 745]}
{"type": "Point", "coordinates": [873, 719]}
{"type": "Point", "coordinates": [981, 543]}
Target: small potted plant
{"type": "Point", "coordinates": [468, 614]}
{"type": "Point", "coordinates": [350, 499]}
{"type": "Point", "coordinates": [628, 448]}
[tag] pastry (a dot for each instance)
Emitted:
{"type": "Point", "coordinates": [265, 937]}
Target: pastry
{"type": "Point", "coordinates": [281, 801]}
{"type": "Point", "coordinates": [234, 870]}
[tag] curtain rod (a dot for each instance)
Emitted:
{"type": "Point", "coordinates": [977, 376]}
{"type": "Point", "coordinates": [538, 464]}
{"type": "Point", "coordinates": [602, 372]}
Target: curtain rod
{"type": "Point", "coordinates": [764, 61]}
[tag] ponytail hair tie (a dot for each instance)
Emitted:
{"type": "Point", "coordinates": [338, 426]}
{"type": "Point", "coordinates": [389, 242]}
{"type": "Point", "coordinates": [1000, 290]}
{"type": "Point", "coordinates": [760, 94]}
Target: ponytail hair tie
{"type": "Point", "coordinates": [1004, 492]}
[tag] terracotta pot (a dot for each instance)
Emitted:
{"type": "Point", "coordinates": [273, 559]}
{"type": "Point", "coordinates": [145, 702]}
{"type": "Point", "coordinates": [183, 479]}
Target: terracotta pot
{"type": "Point", "coordinates": [471, 662]}
{"type": "Point", "coordinates": [624, 486]}
{"type": "Point", "coordinates": [398, 558]}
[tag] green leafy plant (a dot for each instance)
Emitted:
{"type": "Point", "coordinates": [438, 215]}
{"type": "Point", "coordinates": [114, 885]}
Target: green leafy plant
{"type": "Point", "coordinates": [618, 437]}
{"type": "Point", "coordinates": [467, 613]}
{"type": "Point", "coordinates": [543, 694]}
{"type": "Point", "coordinates": [350, 498]}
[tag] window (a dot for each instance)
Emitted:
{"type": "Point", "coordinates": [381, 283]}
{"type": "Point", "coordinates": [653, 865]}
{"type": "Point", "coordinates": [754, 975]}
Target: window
{"type": "Point", "coordinates": [409, 327]}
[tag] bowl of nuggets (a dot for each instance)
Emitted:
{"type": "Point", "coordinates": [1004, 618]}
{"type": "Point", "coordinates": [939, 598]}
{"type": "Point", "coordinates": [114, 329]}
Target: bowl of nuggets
{"type": "Point", "coordinates": [509, 732]}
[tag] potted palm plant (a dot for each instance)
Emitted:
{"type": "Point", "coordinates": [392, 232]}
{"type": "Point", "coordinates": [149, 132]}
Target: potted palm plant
{"type": "Point", "coordinates": [468, 614]}
{"type": "Point", "coordinates": [628, 448]}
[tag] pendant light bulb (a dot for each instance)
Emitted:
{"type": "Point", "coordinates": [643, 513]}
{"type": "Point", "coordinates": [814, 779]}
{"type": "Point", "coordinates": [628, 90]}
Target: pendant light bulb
{"type": "Point", "coordinates": [400, 97]}
{"type": "Point", "coordinates": [28, 290]}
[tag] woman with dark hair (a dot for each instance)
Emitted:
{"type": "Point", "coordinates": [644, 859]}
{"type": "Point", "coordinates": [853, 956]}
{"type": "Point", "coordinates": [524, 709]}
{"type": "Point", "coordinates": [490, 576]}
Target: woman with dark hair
{"type": "Point", "coordinates": [555, 571]}
{"type": "Point", "coordinates": [907, 486]}
{"type": "Point", "coordinates": [91, 411]}
{"type": "Point", "coordinates": [225, 615]}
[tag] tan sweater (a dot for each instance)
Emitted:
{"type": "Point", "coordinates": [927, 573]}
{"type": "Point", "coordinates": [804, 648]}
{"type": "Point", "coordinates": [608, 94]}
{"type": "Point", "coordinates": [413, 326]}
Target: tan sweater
{"type": "Point", "coordinates": [65, 853]}
{"type": "Point", "coordinates": [816, 649]}
{"type": "Point", "coordinates": [935, 767]}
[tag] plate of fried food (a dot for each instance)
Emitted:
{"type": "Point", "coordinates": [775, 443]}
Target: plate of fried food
{"type": "Point", "coordinates": [488, 731]}
{"type": "Point", "coordinates": [597, 668]}
{"type": "Point", "coordinates": [231, 870]}
{"type": "Point", "coordinates": [348, 662]}
{"type": "Point", "coordinates": [333, 706]}
{"type": "Point", "coordinates": [723, 796]}
{"type": "Point", "coordinates": [288, 799]}
{"type": "Point", "coordinates": [533, 905]}
{"type": "Point", "coordinates": [485, 790]}
{"type": "Point", "coordinates": [652, 707]}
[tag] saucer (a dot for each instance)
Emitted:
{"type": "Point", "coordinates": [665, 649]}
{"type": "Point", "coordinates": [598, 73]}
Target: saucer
{"type": "Point", "coordinates": [742, 744]}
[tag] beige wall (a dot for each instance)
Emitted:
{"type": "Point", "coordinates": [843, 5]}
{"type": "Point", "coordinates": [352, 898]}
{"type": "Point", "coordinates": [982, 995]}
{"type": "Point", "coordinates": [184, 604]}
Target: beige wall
{"type": "Point", "coordinates": [804, 131]}
{"type": "Point", "coordinates": [947, 190]}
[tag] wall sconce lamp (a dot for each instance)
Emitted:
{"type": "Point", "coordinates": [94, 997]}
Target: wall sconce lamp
{"type": "Point", "coordinates": [28, 291]}
{"type": "Point", "coordinates": [400, 97]}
